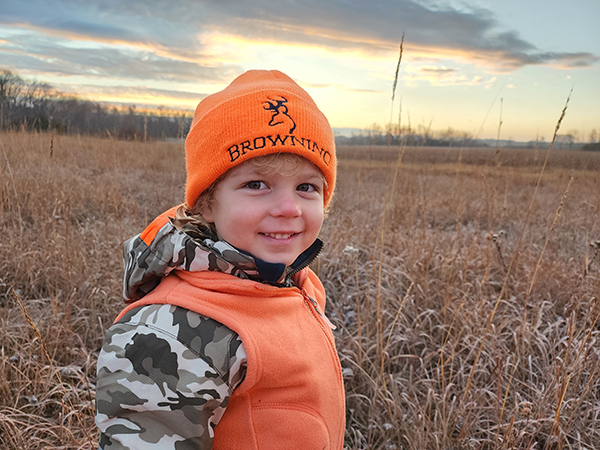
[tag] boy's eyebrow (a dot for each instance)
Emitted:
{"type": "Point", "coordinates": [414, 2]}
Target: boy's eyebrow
{"type": "Point", "coordinates": [315, 176]}
{"type": "Point", "coordinates": [250, 171]}
{"type": "Point", "coordinates": [260, 171]}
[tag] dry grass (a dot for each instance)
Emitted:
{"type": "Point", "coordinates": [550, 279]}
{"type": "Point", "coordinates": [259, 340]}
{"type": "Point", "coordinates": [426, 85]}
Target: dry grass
{"type": "Point", "coordinates": [466, 317]}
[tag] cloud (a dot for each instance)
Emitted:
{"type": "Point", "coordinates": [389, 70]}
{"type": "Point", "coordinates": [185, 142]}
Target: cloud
{"type": "Point", "coordinates": [113, 61]}
{"type": "Point", "coordinates": [121, 22]}
{"type": "Point", "coordinates": [91, 30]}
{"type": "Point", "coordinates": [135, 91]}
{"type": "Point", "coordinates": [167, 40]}
{"type": "Point", "coordinates": [473, 34]}
{"type": "Point", "coordinates": [340, 87]}
{"type": "Point", "coordinates": [141, 96]}
{"type": "Point", "coordinates": [437, 71]}
{"type": "Point", "coordinates": [444, 76]}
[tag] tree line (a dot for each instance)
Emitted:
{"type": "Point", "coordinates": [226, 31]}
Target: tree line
{"type": "Point", "coordinates": [33, 105]}
{"type": "Point", "coordinates": [418, 136]}
{"type": "Point", "coordinates": [426, 137]}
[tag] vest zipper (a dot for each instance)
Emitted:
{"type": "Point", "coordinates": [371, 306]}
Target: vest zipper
{"type": "Point", "coordinates": [315, 306]}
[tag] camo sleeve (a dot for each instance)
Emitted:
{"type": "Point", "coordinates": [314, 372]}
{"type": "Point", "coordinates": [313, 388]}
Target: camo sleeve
{"type": "Point", "coordinates": [165, 376]}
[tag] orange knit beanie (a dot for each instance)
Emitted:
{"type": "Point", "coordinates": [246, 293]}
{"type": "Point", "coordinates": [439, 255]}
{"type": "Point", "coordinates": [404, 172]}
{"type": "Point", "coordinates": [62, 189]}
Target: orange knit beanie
{"type": "Point", "coordinates": [259, 113]}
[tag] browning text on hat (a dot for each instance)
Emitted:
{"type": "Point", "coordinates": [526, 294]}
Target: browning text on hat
{"type": "Point", "coordinates": [259, 113]}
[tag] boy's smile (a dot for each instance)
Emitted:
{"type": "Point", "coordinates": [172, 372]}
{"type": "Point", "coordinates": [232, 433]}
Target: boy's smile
{"type": "Point", "coordinates": [272, 216]}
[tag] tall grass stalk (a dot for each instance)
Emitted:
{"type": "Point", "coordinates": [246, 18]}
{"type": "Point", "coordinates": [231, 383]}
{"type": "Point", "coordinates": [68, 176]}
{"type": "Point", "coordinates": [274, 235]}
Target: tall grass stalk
{"type": "Point", "coordinates": [56, 373]}
{"type": "Point", "coordinates": [394, 85]}
{"type": "Point", "coordinates": [517, 247]}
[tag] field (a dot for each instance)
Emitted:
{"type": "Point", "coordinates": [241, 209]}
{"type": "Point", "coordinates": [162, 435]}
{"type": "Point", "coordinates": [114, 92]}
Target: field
{"type": "Point", "coordinates": [464, 283]}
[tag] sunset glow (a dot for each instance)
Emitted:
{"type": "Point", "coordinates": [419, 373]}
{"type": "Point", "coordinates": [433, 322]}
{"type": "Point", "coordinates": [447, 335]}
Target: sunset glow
{"type": "Point", "coordinates": [460, 61]}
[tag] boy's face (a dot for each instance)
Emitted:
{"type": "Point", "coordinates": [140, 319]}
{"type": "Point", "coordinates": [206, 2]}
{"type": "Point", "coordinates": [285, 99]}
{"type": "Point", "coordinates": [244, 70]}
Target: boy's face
{"type": "Point", "coordinates": [274, 217]}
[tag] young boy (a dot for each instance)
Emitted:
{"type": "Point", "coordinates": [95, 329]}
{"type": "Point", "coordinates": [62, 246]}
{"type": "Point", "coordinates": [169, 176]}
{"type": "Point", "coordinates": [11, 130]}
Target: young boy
{"type": "Point", "coordinates": [224, 343]}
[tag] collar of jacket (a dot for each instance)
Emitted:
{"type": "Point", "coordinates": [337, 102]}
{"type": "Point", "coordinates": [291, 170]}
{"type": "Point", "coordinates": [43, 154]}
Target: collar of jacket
{"type": "Point", "coordinates": [249, 266]}
{"type": "Point", "coordinates": [189, 245]}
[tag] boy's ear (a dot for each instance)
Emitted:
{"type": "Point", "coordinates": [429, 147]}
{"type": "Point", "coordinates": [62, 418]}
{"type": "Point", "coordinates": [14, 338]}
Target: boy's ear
{"type": "Point", "coordinates": [207, 213]}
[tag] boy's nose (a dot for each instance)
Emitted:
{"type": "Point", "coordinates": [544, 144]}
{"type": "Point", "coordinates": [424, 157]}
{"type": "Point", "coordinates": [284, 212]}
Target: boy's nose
{"type": "Point", "coordinates": [286, 205]}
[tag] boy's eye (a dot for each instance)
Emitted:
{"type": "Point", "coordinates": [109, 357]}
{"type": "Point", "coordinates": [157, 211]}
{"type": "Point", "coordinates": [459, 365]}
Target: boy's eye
{"type": "Point", "coordinates": [307, 187]}
{"type": "Point", "coordinates": [255, 185]}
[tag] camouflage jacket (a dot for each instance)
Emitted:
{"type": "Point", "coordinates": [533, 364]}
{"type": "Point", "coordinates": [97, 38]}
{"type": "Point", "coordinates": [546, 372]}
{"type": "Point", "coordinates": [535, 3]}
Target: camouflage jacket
{"type": "Point", "coordinates": [165, 374]}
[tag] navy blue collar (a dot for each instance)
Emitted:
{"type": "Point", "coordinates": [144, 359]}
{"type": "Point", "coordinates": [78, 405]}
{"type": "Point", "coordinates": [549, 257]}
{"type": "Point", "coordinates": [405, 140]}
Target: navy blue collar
{"type": "Point", "coordinates": [280, 274]}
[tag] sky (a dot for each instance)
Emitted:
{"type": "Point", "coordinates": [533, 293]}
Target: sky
{"type": "Point", "coordinates": [487, 67]}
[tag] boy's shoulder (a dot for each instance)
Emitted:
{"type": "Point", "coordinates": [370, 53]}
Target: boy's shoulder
{"type": "Point", "coordinates": [167, 326]}
{"type": "Point", "coordinates": [161, 360]}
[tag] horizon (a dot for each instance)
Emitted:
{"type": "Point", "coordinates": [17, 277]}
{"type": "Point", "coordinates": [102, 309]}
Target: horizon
{"type": "Point", "coordinates": [475, 66]}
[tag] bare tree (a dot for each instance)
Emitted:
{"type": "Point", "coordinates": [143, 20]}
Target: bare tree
{"type": "Point", "coordinates": [35, 105]}
{"type": "Point", "coordinates": [11, 86]}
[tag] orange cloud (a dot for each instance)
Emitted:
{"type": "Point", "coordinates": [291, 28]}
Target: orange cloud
{"type": "Point", "coordinates": [133, 43]}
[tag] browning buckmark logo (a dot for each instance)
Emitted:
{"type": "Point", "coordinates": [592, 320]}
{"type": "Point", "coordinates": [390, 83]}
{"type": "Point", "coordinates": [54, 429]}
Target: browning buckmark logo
{"type": "Point", "coordinates": [280, 112]}
{"type": "Point", "coordinates": [280, 115]}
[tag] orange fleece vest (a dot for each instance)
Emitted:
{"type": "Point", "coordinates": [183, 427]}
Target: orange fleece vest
{"type": "Point", "coordinates": [293, 396]}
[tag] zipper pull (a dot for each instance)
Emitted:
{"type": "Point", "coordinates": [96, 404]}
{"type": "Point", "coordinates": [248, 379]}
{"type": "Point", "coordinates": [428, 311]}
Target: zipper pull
{"type": "Point", "coordinates": [316, 306]}
{"type": "Point", "coordinates": [327, 321]}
